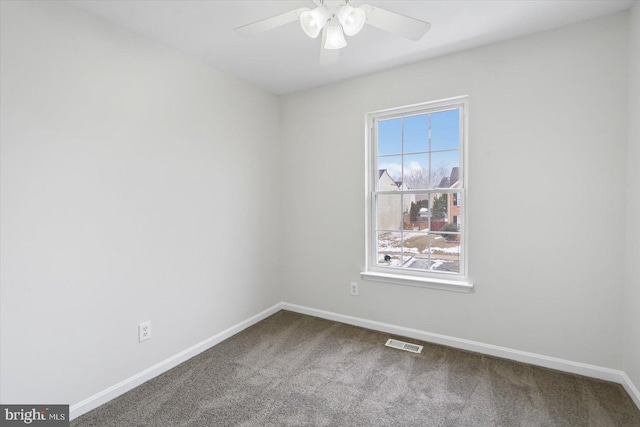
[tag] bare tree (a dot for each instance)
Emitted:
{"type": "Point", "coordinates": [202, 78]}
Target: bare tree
{"type": "Point", "coordinates": [418, 178]}
{"type": "Point", "coordinates": [439, 171]}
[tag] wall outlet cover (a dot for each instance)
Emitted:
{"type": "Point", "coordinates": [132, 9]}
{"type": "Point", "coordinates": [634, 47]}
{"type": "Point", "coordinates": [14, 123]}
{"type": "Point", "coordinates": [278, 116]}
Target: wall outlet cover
{"type": "Point", "coordinates": [144, 331]}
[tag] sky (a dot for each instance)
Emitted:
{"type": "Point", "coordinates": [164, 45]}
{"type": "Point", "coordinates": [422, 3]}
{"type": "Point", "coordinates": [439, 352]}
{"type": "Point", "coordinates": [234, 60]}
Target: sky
{"type": "Point", "coordinates": [404, 144]}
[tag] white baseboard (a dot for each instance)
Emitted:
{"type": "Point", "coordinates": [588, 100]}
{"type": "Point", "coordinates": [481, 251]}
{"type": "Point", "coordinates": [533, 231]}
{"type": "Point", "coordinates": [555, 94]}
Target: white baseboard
{"type": "Point", "coordinates": [631, 389]}
{"type": "Point", "coordinates": [122, 387]}
{"type": "Point", "coordinates": [506, 353]}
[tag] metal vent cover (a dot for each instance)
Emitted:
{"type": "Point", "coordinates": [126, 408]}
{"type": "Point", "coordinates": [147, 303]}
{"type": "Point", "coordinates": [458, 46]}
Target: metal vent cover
{"type": "Point", "coordinates": [401, 345]}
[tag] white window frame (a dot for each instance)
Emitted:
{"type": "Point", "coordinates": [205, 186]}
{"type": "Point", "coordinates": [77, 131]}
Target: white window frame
{"type": "Point", "coordinates": [458, 282]}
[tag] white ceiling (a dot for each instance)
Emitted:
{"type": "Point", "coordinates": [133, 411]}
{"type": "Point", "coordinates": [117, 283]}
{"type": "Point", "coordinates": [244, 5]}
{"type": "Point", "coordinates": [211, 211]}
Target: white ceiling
{"type": "Point", "coordinates": [286, 60]}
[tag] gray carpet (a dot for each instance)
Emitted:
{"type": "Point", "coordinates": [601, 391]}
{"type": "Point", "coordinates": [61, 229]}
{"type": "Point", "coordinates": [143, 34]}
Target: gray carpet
{"type": "Point", "coordinates": [296, 370]}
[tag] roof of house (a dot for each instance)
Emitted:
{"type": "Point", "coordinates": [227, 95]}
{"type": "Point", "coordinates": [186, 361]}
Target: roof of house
{"type": "Point", "coordinates": [383, 171]}
{"type": "Point", "coordinates": [448, 181]}
{"type": "Point", "coordinates": [453, 178]}
{"type": "Point", "coordinates": [444, 182]}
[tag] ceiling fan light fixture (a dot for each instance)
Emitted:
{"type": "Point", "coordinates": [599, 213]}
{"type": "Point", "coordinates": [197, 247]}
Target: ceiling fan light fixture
{"type": "Point", "coordinates": [335, 36]}
{"type": "Point", "coordinates": [312, 21]}
{"type": "Point", "coordinates": [352, 19]}
{"type": "Point", "coordinates": [334, 19]}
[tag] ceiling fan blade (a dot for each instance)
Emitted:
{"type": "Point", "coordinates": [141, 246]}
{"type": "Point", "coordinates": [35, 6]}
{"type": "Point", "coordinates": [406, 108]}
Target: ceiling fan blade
{"type": "Point", "coordinates": [394, 23]}
{"type": "Point", "coordinates": [327, 56]}
{"type": "Point", "coordinates": [271, 23]}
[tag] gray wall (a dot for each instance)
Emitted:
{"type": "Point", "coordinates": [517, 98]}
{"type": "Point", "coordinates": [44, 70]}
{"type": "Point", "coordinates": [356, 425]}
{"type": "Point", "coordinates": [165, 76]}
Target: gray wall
{"type": "Point", "coordinates": [631, 226]}
{"type": "Point", "coordinates": [137, 184]}
{"type": "Point", "coordinates": [547, 170]}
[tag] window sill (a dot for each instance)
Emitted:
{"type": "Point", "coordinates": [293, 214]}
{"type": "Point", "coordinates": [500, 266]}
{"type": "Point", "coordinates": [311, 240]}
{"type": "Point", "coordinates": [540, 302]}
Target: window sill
{"type": "Point", "coordinates": [422, 282]}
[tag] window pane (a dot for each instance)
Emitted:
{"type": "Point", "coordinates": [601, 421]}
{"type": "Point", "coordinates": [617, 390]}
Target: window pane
{"type": "Point", "coordinates": [445, 252]}
{"type": "Point", "coordinates": [445, 130]}
{"type": "Point", "coordinates": [416, 171]}
{"type": "Point", "coordinates": [416, 244]}
{"type": "Point", "coordinates": [457, 199]}
{"type": "Point", "coordinates": [389, 172]}
{"type": "Point", "coordinates": [389, 211]}
{"type": "Point", "coordinates": [445, 168]}
{"type": "Point", "coordinates": [407, 200]}
{"type": "Point", "coordinates": [455, 210]}
{"type": "Point", "coordinates": [439, 212]}
{"type": "Point", "coordinates": [416, 247]}
{"type": "Point", "coordinates": [389, 249]}
{"type": "Point", "coordinates": [418, 214]}
{"type": "Point", "coordinates": [389, 137]}
{"type": "Point", "coordinates": [416, 133]}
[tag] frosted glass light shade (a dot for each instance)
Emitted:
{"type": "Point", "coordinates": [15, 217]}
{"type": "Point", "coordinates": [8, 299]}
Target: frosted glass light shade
{"type": "Point", "coordinates": [312, 21]}
{"type": "Point", "coordinates": [352, 19]}
{"type": "Point", "coordinates": [335, 36]}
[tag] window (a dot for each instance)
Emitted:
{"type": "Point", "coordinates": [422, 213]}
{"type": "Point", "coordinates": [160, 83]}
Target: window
{"type": "Point", "coordinates": [415, 188]}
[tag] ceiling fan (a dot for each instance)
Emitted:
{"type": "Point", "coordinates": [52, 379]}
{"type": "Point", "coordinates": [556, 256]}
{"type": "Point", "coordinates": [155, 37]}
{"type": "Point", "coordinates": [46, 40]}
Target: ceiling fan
{"type": "Point", "coordinates": [337, 18]}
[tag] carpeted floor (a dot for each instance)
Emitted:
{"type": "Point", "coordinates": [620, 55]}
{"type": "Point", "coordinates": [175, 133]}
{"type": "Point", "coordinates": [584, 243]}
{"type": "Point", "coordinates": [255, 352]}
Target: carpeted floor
{"type": "Point", "coordinates": [296, 370]}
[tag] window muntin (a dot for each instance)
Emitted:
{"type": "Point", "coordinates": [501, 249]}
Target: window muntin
{"type": "Point", "coordinates": [417, 186]}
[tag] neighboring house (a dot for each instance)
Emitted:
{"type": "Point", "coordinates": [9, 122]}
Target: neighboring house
{"type": "Point", "coordinates": [385, 182]}
{"type": "Point", "coordinates": [391, 211]}
{"type": "Point", "coordinates": [453, 201]}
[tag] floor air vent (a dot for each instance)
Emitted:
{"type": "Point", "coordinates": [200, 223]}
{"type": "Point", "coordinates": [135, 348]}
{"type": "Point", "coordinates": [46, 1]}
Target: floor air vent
{"type": "Point", "coordinates": [401, 345]}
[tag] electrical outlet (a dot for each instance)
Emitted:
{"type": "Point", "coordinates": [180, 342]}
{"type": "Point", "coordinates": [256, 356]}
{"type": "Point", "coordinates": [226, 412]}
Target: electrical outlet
{"type": "Point", "coordinates": [144, 331]}
{"type": "Point", "coordinates": [354, 288]}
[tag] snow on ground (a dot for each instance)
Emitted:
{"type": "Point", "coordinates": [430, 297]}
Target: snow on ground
{"type": "Point", "coordinates": [390, 244]}
{"type": "Point", "coordinates": [423, 264]}
{"type": "Point", "coordinates": [452, 250]}
{"type": "Point", "coordinates": [396, 249]}
{"type": "Point", "coordinates": [436, 263]}
{"type": "Point", "coordinates": [395, 261]}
